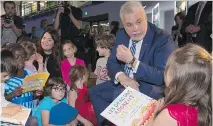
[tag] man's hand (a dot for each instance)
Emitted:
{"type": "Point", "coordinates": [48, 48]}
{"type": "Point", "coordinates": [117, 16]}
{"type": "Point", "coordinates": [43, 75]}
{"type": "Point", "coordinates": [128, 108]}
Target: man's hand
{"type": "Point", "coordinates": [192, 28]}
{"type": "Point", "coordinates": [60, 10]}
{"type": "Point", "coordinates": [124, 54]}
{"type": "Point", "coordinates": [17, 91]}
{"type": "Point", "coordinates": [128, 82]}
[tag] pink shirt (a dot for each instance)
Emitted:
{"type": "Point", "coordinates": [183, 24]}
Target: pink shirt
{"type": "Point", "coordinates": [65, 69]}
{"type": "Point", "coordinates": [184, 115]}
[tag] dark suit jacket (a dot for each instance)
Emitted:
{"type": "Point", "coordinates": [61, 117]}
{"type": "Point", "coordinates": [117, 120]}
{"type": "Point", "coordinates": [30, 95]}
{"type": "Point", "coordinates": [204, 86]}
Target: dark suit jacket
{"type": "Point", "coordinates": [156, 47]}
{"type": "Point", "coordinates": [203, 36]}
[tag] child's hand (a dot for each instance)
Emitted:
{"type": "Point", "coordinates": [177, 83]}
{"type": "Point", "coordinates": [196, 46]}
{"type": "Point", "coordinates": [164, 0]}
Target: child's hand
{"type": "Point", "coordinates": [39, 92]}
{"type": "Point", "coordinates": [73, 123]}
{"type": "Point", "coordinates": [39, 58]}
{"type": "Point", "coordinates": [11, 110]}
{"type": "Point", "coordinates": [87, 123]}
{"type": "Point", "coordinates": [17, 91]}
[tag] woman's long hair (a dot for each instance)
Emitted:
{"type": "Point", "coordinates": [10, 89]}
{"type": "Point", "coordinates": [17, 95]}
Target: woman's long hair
{"type": "Point", "coordinates": [190, 72]}
{"type": "Point", "coordinates": [181, 15]}
{"type": "Point", "coordinates": [56, 50]}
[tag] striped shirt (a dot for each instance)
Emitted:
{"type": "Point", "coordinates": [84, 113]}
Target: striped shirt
{"type": "Point", "coordinates": [25, 99]}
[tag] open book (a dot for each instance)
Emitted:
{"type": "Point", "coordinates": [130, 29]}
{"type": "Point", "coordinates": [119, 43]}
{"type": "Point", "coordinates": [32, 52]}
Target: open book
{"type": "Point", "coordinates": [34, 81]}
{"type": "Point", "coordinates": [130, 108]}
{"type": "Point", "coordinates": [20, 118]}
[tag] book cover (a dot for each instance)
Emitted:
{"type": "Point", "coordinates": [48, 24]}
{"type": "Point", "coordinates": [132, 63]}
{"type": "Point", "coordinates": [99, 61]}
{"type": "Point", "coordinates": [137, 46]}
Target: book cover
{"type": "Point", "coordinates": [19, 119]}
{"type": "Point", "coordinates": [34, 81]}
{"type": "Point", "coordinates": [130, 108]}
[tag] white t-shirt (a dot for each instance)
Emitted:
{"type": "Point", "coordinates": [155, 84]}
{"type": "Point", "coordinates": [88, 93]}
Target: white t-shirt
{"type": "Point", "coordinates": [101, 71]}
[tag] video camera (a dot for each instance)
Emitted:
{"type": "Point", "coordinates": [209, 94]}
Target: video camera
{"type": "Point", "coordinates": [66, 6]}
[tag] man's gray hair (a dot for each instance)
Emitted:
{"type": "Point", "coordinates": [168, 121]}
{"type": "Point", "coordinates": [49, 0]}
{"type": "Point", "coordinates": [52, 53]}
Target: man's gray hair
{"type": "Point", "coordinates": [129, 7]}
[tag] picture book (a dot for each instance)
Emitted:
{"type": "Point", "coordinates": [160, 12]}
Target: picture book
{"type": "Point", "coordinates": [130, 108]}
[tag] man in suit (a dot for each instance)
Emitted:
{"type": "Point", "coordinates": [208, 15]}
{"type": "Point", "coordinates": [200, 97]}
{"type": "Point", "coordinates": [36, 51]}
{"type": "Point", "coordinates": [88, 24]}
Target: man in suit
{"type": "Point", "coordinates": [137, 60]}
{"type": "Point", "coordinates": [198, 24]}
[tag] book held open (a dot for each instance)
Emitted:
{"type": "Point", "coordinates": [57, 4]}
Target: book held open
{"type": "Point", "coordinates": [130, 108]}
{"type": "Point", "coordinates": [34, 81]}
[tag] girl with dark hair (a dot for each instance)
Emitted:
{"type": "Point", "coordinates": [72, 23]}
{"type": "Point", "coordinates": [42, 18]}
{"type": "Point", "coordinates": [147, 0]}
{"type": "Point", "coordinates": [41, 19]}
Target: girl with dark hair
{"type": "Point", "coordinates": [179, 38]}
{"type": "Point", "coordinates": [55, 90]}
{"type": "Point", "coordinates": [187, 102]}
{"type": "Point", "coordinates": [49, 48]}
{"type": "Point", "coordinates": [79, 97]}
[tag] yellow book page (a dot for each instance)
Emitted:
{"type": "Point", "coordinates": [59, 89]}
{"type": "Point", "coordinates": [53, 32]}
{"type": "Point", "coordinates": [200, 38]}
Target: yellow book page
{"type": "Point", "coordinates": [35, 81]}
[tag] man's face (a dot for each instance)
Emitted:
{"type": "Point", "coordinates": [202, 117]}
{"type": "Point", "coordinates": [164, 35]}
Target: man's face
{"type": "Point", "coordinates": [135, 24]}
{"type": "Point", "coordinates": [10, 9]}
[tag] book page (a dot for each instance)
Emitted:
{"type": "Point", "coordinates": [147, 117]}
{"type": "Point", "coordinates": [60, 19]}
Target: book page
{"type": "Point", "coordinates": [35, 81]}
{"type": "Point", "coordinates": [130, 108]}
{"type": "Point", "coordinates": [20, 118]}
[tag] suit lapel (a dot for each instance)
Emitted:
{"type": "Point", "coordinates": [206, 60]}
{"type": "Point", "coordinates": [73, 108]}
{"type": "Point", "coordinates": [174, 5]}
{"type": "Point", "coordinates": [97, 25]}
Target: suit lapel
{"type": "Point", "coordinates": [147, 42]}
{"type": "Point", "coordinates": [125, 40]}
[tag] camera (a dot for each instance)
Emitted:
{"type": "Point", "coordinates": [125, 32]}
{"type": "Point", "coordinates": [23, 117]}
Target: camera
{"type": "Point", "coordinates": [65, 5]}
{"type": "Point", "coordinates": [7, 20]}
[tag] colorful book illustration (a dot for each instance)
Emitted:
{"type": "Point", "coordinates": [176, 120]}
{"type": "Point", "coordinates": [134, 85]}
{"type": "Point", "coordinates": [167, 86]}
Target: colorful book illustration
{"type": "Point", "coordinates": [130, 108]}
{"type": "Point", "coordinates": [19, 119]}
{"type": "Point", "coordinates": [35, 81]}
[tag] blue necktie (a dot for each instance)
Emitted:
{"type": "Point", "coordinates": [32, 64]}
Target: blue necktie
{"type": "Point", "coordinates": [127, 68]}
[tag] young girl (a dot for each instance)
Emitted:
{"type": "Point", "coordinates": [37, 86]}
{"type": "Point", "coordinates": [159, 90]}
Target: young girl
{"type": "Point", "coordinates": [79, 97]}
{"type": "Point", "coordinates": [187, 101]}
{"type": "Point", "coordinates": [69, 51]}
{"type": "Point", "coordinates": [49, 48]}
{"type": "Point", "coordinates": [55, 90]}
{"type": "Point", "coordinates": [32, 55]}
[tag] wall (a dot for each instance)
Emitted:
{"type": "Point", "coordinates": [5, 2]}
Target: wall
{"type": "Point", "coordinates": [36, 22]}
{"type": "Point", "coordinates": [113, 9]}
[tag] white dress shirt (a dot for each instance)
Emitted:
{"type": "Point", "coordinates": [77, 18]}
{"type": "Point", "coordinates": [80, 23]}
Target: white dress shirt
{"type": "Point", "coordinates": [137, 54]}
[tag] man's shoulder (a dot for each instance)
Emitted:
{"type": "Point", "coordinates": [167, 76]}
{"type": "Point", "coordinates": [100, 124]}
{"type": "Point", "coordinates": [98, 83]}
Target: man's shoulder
{"type": "Point", "coordinates": [158, 32]}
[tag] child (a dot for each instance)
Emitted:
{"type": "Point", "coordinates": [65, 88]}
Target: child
{"type": "Point", "coordinates": [104, 46]}
{"type": "Point", "coordinates": [188, 80]}
{"type": "Point", "coordinates": [55, 90]}
{"type": "Point", "coordinates": [32, 55]}
{"type": "Point", "coordinates": [13, 88]}
{"type": "Point", "coordinates": [69, 51]}
{"type": "Point", "coordinates": [79, 97]}
{"type": "Point", "coordinates": [8, 66]}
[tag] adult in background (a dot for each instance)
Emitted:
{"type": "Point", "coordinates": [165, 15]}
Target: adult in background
{"type": "Point", "coordinates": [198, 24]}
{"type": "Point", "coordinates": [11, 24]}
{"type": "Point", "coordinates": [114, 26]}
{"type": "Point", "coordinates": [50, 49]}
{"type": "Point", "coordinates": [137, 60]}
{"type": "Point", "coordinates": [43, 27]}
{"type": "Point", "coordinates": [178, 37]}
{"type": "Point", "coordinates": [68, 20]}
